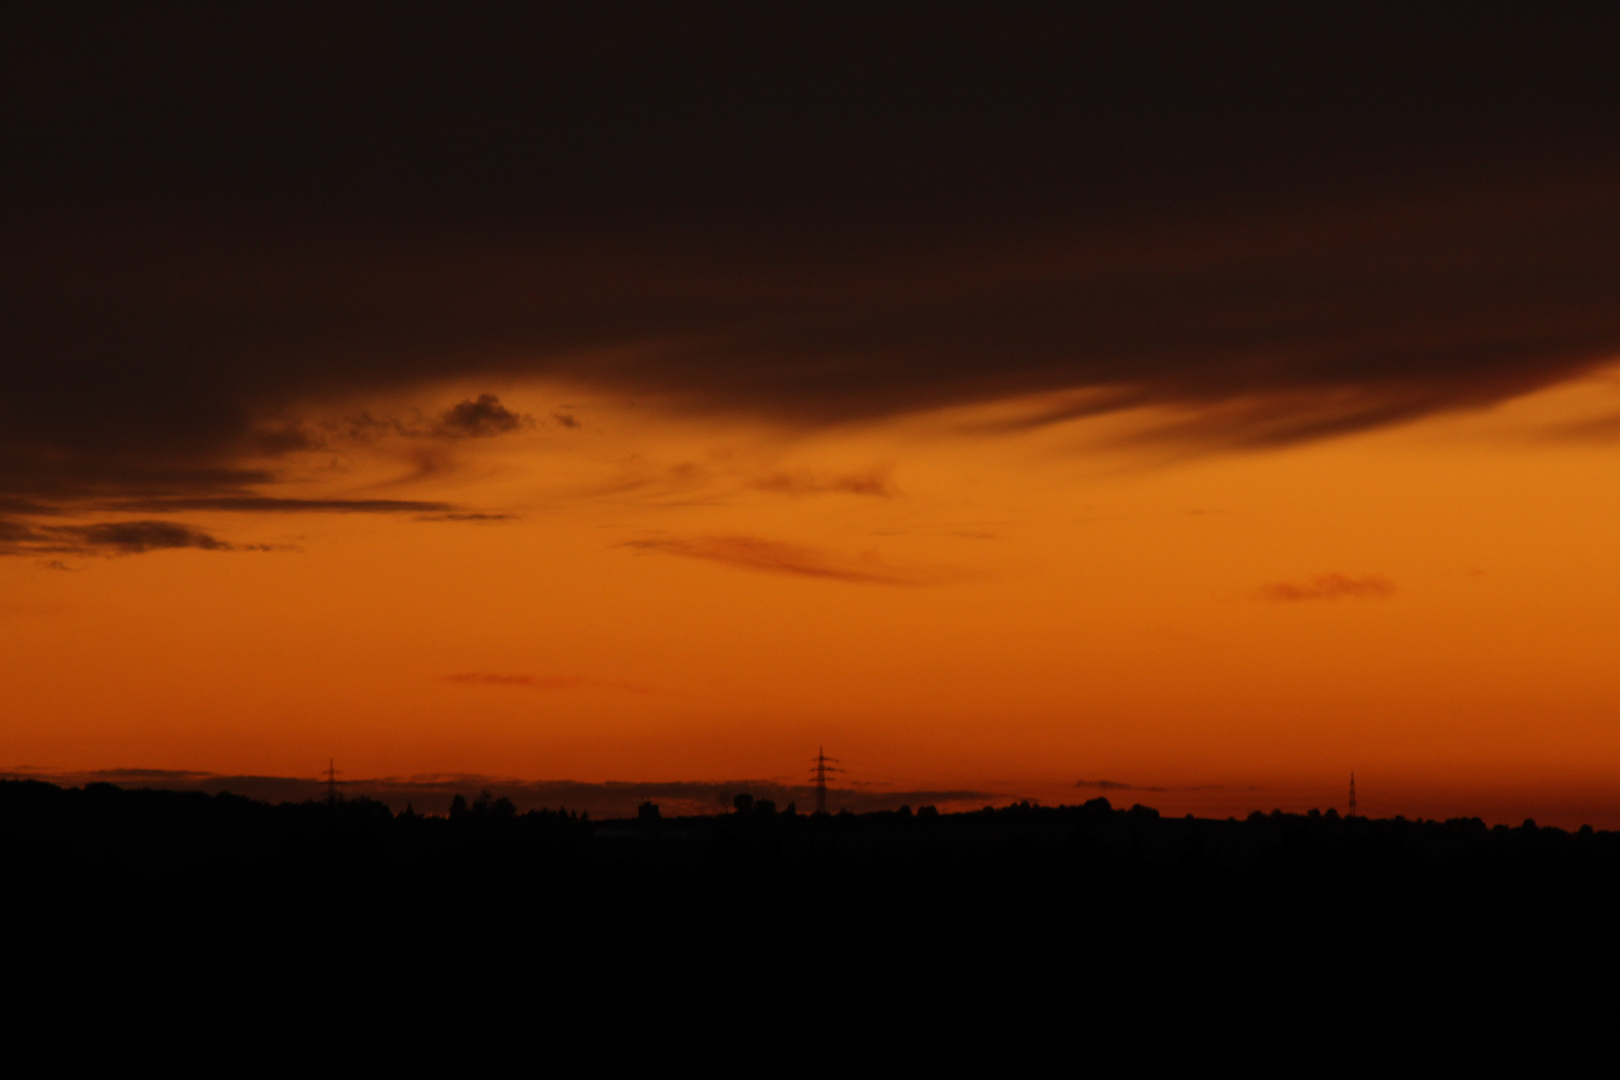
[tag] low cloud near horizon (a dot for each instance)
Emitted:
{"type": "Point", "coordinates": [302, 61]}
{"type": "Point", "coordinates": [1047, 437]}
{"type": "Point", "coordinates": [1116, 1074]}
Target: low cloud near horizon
{"type": "Point", "coordinates": [608, 799]}
{"type": "Point", "coordinates": [1115, 785]}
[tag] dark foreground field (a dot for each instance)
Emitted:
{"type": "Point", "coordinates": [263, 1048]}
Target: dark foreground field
{"type": "Point", "coordinates": [768, 942]}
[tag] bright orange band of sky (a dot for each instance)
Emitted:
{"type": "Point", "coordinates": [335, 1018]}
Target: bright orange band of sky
{"type": "Point", "coordinates": [939, 602]}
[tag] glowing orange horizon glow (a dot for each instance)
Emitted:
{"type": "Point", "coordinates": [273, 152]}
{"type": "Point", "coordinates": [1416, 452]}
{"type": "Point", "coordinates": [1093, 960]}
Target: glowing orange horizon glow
{"type": "Point", "coordinates": [946, 600]}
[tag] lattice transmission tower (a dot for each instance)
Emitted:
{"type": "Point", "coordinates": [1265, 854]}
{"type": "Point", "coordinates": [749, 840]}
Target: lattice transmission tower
{"type": "Point", "coordinates": [819, 768]}
{"type": "Point", "coordinates": [1352, 795]}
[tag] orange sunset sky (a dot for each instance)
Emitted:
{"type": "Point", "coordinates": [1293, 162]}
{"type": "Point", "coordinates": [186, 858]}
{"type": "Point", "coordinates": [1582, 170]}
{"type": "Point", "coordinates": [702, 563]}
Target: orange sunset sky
{"type": "Point", "coordinates": [1195, 447]}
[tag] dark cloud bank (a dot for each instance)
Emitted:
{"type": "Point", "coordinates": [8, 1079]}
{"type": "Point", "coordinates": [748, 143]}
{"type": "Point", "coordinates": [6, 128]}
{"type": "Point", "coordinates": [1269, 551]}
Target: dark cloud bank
{"type": "Point", "coordinates": [1294, 219]}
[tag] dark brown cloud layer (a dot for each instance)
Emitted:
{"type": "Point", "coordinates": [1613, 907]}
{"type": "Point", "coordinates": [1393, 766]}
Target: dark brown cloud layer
{"type": "Point", "coordinates": [1295, 219]}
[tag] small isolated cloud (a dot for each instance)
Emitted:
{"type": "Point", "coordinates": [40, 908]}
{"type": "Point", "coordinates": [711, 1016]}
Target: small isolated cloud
{"type": "Point", "coordinates": [874, 482]}
{"type": "Point", "coordinates": [481, 418]}
{"type": "Point", "coordinates": [285, 438]}
{"type": "Point", "coordinates": [109, 538]}
{"type": "Point", "coordinates": [1329, 586]}
{"type": "Point", "coordinates": [475, 418]}
{"type": "Point", "coordinates": [545, 682]}
{"type": "Point", "coordinates": [567, 420]}
{"type": "Point", "coordinates": [799, 560]}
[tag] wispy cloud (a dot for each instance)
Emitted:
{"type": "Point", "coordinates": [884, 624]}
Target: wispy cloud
{"type": "Point", "coordinates": [74, 488]}
{"type": "Point", "coordinates": [262, 504]}
{"type": "Point", "coordinates": [1115, 785]}
{"type": "Point", "coordinates": [481, 417]}
{"type": "Point", "coordinates": [467, 516]}
{"type": "Point", "coordinates": [546, 682]}
{"type": "Point", "coordinates": [873, 482]}
{"type": "Point", "coordinates": [110, 538]}
{"type": "Point", "coordinates": [715, 481]}
{"type": "Point", "coordinates": [798, 560]}
{"type": "Point", "coordinates": [139, 537]}
{"type": "Point", "coordinates": [1329, 586]}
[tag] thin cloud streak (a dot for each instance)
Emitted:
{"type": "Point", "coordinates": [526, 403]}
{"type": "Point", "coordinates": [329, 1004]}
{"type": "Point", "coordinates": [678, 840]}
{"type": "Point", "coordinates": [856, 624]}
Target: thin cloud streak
{"type": "Point", "coordinates": [546, 682]}
{"type": "Point", "coordinates": [875, 483]}
{"type": "Point", "coordinates": [795, 560]}
{"type": "Point", "coordinates": [268, 504]}
{"type": "Point", "coordinates": [1329, 586]}
{"type": "Point", "coordinates": [1115, 785]}
{"type": "Point", "coordinates": [483, 417]}
{"type": "Point", "coordinates": [469, 516]}
{"type": "Point", "coordinates": [111, 538]}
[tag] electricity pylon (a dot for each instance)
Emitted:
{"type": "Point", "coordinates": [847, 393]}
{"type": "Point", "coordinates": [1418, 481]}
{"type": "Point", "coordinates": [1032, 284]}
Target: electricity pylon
{"type": "Point", "coordinates": [820, 769]}
{"type": "Point", "coordinates": [1352, 795]}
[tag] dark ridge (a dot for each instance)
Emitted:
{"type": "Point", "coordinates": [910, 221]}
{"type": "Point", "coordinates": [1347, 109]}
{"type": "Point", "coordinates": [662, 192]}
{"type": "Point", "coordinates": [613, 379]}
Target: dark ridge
{"type": "Point", "coordinates": [1004, 934]}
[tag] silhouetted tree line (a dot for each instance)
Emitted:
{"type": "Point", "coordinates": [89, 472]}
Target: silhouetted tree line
{"type": "Point", "coordinates": [486, 810]}
{"type": "Point", "coordinates": [1112, 935]}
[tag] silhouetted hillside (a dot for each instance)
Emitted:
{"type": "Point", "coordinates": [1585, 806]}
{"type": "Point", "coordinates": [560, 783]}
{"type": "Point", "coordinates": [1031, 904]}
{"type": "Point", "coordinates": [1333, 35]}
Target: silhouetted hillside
{"type": "Point", "coordinates": [1110, 934]}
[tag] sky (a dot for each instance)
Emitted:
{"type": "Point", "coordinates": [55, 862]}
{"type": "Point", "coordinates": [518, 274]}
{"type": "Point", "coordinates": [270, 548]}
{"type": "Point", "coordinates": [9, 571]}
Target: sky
{"type": "Point", "coordinates": [1183, 405]}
